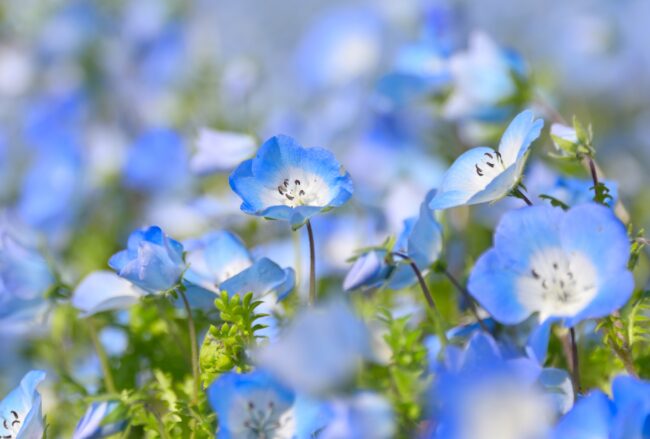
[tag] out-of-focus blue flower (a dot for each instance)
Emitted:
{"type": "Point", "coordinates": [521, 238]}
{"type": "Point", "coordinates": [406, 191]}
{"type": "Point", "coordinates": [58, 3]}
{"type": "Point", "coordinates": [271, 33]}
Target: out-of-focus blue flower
{"type": "Point", "coordinates": [567, 265]}
{"type": "Point", "coordinates": [220, 260]}
{"type": "Point", "coordinates": [220, 151]}
{"type": "Point", "coordinates": [104, 291]}
{"type": "Point", "coordinates": [255, 405]}
{"type": "Point", "coordinates": [20, 410]}
{"type": "Point", "coordinates": [480, 395]}
{"type": "Point", "coordinates": [364, 415]}
{"type": "Point", "coordinates": [573, 191]}
{"type": "Point", "coordinates": [156, 162]}
{"type": "Point", "coordinates": [420, 240]}
{"type": "Point", "coordinates": [344, 45]}
{"type": "Point", "coordinates": [286, 181]}
{"type": "Point", "coordinates": [152, 260]}
{"type": "Point", "coordinates": [320, 350]}
{"type": "Point", "coordinates": [483, 79]}
{"type": "Point", "coordinates": [91, 426]}
{"type": "Point", "coordinates": [596, 416]}
{"type": "Point", "coordinates": [52, 118]}
{"type": "Point", "coordinates": [482, 174]}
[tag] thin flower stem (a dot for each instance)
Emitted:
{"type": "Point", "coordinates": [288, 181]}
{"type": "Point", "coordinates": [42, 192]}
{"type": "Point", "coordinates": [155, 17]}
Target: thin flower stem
{"type": "Point", "coordinates": [103, 357]}
{"type": "Point", "coordinates": [427, 295]}
{"type": "Point", "coordinates": [575, 363]}
{"type": "Point", "coordinates": [517, 192]}
{"type": "Point", "coordinates": [593, 171]}
{"type": "Point", "coordinates": [465, 293]}
{"type": "Point", "coordinates": [312, 265]}
{"type": "Point", "coordinates": [196, 373]}
{"type": "Point", "coordinates": [297, 255]}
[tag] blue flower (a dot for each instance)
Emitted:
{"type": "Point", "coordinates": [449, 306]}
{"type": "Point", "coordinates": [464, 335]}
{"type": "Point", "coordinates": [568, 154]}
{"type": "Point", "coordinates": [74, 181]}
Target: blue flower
{"type": "Point", "coordinates": [104, 291]}
{"type": "Point", "coordinates": [363, 415]}
{"type": "Point", "coordinates": [567, 265]}
{"type": "Point", "coordinates": [320, 350]}
{"type": "Point", "coordinates": [91, 425]}
{"type": "Point", "coordinates": [596, 416]}
{"type": "Point", "coordinates": [152, 260]}
{"type": "Point", "coordinates": [288, 182]}
{"type": "Point", "coordinates": [255, 405]}
{"type": "Point", "coordinates": [219, 151]}
{"type": "Point", "coordinates": [220, 260]}
{"type": "Point", "coordinates": [420, 240]}
{"type": "Point", "coordinates": [20, 410]}
{"type": "Point", "coordinates": [483, 174]}
{"type": "Point", "coordinates": [156, 162]}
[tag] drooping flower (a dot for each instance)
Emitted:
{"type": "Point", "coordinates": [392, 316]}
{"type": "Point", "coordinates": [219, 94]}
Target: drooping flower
{"type": "Point", "coordinates": [567, 265]}
{"type": "Point", "coordinates": [152, 260]}
{"type": "Point", "coordinates": [220, 151]}
{"type": "Point", "coordinates": [221, 261]}
{"type": "Point", "coordinates": [91, 425]}
{"type": "Point", "coordinates": [104, 291]}
{"type": "Point", "coordinates": [420, 240]}
{"type": "Point", "coordinates": [286, 181]}
{"type": "Point", "coordinates": [482, 174]}
{"type": "Point", "coordinates": [320, 350]}
{"type": "Point", "coordinates": [20, 410]}
{"type": "Point", "coordinates": [253, 405]}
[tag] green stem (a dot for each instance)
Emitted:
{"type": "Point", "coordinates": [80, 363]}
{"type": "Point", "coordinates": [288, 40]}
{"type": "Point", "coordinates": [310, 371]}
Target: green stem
{"type": "Point", "coordinates": [312, 265]}
{"type": "Point", "coordinates": [575, 363]}
{"type": "Point", "coordinates": [196, 373]}
{"type": "Point", "coordinates": [472, 305]}
{"type": "Point", "coordinates": [519, 194]}
{"type": "Point", "coordinates": [103, 357]}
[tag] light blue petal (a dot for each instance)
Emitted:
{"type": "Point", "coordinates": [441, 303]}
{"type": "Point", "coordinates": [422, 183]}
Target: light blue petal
{"type": "Point", "coordinates": [499, 187]}
{"type": "Point", "coordinates": [261, 278]}
{"type": "Point", "coordinates": [594, 231]}
{"type": "Point", "coordinates": [493, 286]}
{"type": "Point", "coordinates": [537, 344]}
{"type": "Point", "coordinates": [366, 271]}
{"type": "Point", "coordinates": [526, 231]}
{"type": "Point", "coordinates": [461, 181]}
{"type": "Point", "coordinates": [481, 352]}
{"type": "Point", "coordinates": [425, 239]}
{"type": "Point", "coordinates": [590, 418]}
{"type": "Point", "coordinates": [521, 132]}
{"type": "Point", "coordinates": [103, 291]}
{"type": "Point", "coordinates": [26, 402]}
{"type": "Point", "coordinates": [558, 387]}
{"type": "Point", "coordinates": [224, 252]}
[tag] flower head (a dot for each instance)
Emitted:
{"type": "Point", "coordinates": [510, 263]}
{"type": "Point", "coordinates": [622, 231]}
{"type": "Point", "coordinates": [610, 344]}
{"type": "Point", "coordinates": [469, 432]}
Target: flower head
{"type": "Point", "coordinates": [20, 410]}
{"type": "Point", "coordinates": [152, 260]}
{"type": "Point", "coordinates": [104, 290]}
{"type": "Point", "coordinates": [482, 174]}
{"type": "Point", "coordinates": [286, 181]}
{"type": "Point", "coordinates": [570, 265]}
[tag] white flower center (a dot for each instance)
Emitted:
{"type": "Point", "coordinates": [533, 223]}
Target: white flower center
{"type": "Point", "coordinates": [490, 165]}
{"type": "Point", "coordinates": [299, 188]}
{"type": "Point", "coordinates": [11, 423]}
{"type": "Point", "coordinates": [558, 283]}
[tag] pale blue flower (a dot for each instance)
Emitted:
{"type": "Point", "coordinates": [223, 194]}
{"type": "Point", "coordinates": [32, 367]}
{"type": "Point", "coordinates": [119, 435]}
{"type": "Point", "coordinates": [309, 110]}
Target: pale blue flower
{"type": "Point", "coordinates": [482, 174]}
{"type": "Point", "coordinates": [286, 181]}
{"type": "Point", "coordinates": [566, 265]}
{"type": "Point", "coordinates": [91, 425]}
{"type": "Point", "coordinates": [152, 260]}
{"type": "Point", "coordinates": [364, 415]}
{"type": "Point", "coordinates": [20, 410]}
{"type": "Point", "coordinates": [104, 290]}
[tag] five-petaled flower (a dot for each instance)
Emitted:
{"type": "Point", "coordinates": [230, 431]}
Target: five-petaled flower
{"type": "Point", "coordinates": [20, 410]}
{"type": "Point", "coordinates": [482, 174]}
{"type": "Point", "coordinates": [568, 265]}
{"type": "Point", "coordinates": [286, 181]}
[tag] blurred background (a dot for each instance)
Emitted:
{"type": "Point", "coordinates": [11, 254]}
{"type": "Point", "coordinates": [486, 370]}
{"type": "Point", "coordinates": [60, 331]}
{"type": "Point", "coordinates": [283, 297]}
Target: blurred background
{"type": "Point", "coordinates": [103, 106]}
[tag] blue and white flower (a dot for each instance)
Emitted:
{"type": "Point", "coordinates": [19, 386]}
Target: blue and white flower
{"type": "Point", "coordinates": [152, 260]}
{"type": "Point", "coordinates": [482, 174]}
{"type": "Point", "coordinates": [566, 265]}
{"type": "Point", "coordinates": [20, 410]}
{"type": "Point", "coordinates": [286, 181]}
{"type": "Point", "coordinates": [104, 290]}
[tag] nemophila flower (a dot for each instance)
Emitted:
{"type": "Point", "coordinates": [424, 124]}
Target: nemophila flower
{"type": "Point", "coordinates": [420, 240]}
{"type": "Point", "coordinates": [104, 291]}
{"type": "Point", "coordinates": [254, 405]}
{"type": "Point", "coordinates": [152, 260]}
{"type": "Point", "coordinates": [20, 410]}
{"type": "Point", "coordinates": [157, 161]}
{"type": "Point", "coordinates": [91, 425]}
{"type": "Point", "coordinates": [320, 350]}
{"type": "Point", "coordinates": [483, 79]}
{"type": "Point", "coordinates": [221, 261]}
{"type": "Point", "coordinates": [596, 416]}
{"type": "Point", "coordinates": [288, 182]}
{"type": "Point", "coordinates": [482, 174]}
{"type": "Point", "coordinates": [566, 265]}
{"type": "Point", "coordinates": [220, 151]}
{"type": "Point", "coordinates": [363, 415]}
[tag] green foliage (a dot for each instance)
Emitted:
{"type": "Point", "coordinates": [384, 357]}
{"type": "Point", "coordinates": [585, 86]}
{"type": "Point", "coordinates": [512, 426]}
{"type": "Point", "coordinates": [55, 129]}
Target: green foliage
{"type": "Point", "coordinates": [638, 243]}
{"type": "Point", "coordinates": [555, 202]}
{"type": "Point", "coordinates": [224, 346]}
{"type": "Point", "coordinates": [583, 146]}
{"type": "Point", "coordinates": [601, 193]}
